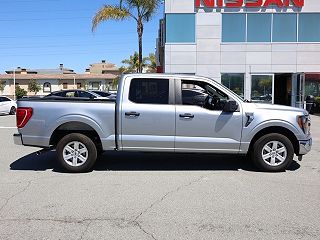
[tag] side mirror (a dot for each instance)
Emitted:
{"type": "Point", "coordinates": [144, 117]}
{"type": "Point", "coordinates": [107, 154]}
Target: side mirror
{"type": "Point", "coordinates": [230, 106]}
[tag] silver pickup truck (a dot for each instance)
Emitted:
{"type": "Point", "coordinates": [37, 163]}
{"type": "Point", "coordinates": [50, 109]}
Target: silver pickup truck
{"type": "Point", "coordinates": [164, 113]}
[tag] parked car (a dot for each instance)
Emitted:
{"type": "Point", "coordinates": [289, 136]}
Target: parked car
{"type": "Point", "coordinates": [149, 115]}
{"type": "Point", "coordinates": [74, 94]}
{"type": "Point", "coordinates": [105, 94]}
{"type": "Point", "coordinates": [7, 106]}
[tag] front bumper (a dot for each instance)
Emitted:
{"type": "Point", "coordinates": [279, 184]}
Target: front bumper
{"type": "Point", "coordinates": [305, 146]}
{"type": "Point", "coordinates": [17, 139]}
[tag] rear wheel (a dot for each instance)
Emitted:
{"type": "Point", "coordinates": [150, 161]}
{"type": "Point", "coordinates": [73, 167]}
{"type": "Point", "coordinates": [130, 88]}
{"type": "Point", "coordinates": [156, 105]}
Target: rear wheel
{"type": "Point", "coordinates": [12, 110]}
{"type": "Point", "coordinates": [76, 152]}
{"type": "Point", "coordinates": [272, 152]}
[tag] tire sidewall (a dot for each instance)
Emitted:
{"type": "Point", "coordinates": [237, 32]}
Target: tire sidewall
{"type": "Point", "coordinates": [260, 143]}
{"type": "Point", "coordinates": [92, 152]}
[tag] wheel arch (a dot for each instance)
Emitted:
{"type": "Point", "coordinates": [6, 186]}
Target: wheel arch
{"type": "Point", "coordinates": [75, 127]}
{"type": "Point", "coordinates": [276, 129]}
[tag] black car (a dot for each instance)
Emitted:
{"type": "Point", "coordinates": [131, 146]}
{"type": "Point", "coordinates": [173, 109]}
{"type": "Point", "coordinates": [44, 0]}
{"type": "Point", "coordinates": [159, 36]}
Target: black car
{"type": "Point", "coordinates": [75, 94]}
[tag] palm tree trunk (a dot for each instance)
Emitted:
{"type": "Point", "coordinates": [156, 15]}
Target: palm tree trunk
{"type": "Point", "coordinates": [140, 33]}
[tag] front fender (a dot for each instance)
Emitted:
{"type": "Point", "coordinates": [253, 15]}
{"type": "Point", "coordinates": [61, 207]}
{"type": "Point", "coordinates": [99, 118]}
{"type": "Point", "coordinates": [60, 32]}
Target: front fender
{"type": "Point", "coordinates": [250, 132]}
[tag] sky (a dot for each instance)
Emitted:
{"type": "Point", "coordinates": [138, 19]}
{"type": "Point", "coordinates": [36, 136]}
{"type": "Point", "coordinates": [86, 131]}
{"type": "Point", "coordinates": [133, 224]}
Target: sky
{"type": "Point", "coordinates": [44, 33]}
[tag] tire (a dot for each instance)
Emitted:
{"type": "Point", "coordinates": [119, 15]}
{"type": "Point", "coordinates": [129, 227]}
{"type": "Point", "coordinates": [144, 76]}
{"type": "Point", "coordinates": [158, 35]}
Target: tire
{"type": "Point", "coordinates": [76, 153]}
{"type": "Point", "coordinates": [272, 153]}
{"type": "Point", "coordinates": [12, 111]}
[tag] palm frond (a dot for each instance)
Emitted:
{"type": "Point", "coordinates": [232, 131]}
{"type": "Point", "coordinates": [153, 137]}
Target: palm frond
{"type": "Point", "coordinates": [109, 12]}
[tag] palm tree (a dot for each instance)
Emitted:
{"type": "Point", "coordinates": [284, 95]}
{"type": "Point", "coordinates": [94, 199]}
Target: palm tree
{"type": "Point", "coordinates": [152, 63]}
{"type": "Point", "coordinates": [133, 63]}
{"type": "Point", "coordinates": [140, 10]}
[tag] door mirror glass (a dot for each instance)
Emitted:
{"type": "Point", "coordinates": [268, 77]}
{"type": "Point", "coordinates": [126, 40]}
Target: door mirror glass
{"type": "Point", "coordinates": [230, 106]}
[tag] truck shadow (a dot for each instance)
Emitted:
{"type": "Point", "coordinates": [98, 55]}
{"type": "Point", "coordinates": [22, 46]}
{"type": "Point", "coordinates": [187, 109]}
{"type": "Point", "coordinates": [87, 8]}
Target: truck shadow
{"type": "Point", "coordinates": [122, 161]}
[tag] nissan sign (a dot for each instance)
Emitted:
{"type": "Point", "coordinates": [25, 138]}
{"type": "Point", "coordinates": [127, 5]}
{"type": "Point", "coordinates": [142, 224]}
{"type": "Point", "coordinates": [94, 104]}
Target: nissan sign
{"type": "Point", "coordinates": [248, 3]}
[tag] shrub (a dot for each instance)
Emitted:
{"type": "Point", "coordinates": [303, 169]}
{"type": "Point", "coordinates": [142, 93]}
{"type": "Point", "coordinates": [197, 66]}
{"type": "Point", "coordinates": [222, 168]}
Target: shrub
{"type": "Point", "coordinates": [20, 92]}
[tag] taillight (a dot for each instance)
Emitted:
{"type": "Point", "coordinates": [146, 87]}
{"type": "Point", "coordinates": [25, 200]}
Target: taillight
{"type": "Point", "coordinates": [23, 115]}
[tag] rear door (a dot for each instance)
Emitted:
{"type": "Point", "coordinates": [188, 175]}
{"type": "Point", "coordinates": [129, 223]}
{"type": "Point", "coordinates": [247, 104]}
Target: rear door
{"type": "Point", "coordinates": [201, 127]}
{"type": "Point", "coordinates": [148, 115]}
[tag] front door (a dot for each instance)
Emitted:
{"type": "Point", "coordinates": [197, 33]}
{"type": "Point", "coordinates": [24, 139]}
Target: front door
{"type": "Point", "coordinates": [201, 125]}
{"type": "Point", "coordinates": [148, 115]}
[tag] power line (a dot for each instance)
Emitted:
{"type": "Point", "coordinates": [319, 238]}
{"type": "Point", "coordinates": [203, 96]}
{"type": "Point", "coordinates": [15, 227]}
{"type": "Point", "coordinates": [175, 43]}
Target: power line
{"type": "Point", "coordinates": [72, 35]}
{"type": "Point", "coordinates": [42, 19]}
{"type": "Point", "coordinates": [67, 54]}
{"type": "Point", "coordinates": [117, 43]}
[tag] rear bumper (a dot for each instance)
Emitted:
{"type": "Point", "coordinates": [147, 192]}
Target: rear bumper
{"type": "Point", "coordinates": [17, 139]}
{"type": "Point", "coordinates": [305, 146]}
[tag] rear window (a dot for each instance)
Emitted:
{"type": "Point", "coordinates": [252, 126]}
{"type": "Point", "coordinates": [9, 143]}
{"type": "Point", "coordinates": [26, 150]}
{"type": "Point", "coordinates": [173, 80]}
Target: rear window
{"type": "Point", "coordinates": [149, 91]}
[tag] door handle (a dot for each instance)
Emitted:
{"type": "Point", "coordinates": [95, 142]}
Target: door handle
{"type": "Point", "coordinates": [186, 115]}
{"type": "Point", "coordinates": [132, 114]}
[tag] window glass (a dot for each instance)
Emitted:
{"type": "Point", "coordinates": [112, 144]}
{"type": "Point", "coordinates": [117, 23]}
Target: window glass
{"type": "Point", "coordinates": [95, 85]}
{"type": "Point", "coordinates": [150, 91]}
{"type": "Point", "coordinates": [235, 82]}
{"type": "Point", "coordinates": [85, 94]}
{"type": "Point", "coordinates": [203, 95]}
{"type": "Point", "coordinates": [233, 28]}
{"type": "Point", "coordinates": [65, 85]}
{"type": "Point", "coordinates": [46, 87]}
{"type": "Point", "coordinates": [5, 99]}
{"type": "Point", "coordinates": [259, 27]}
{"type": "Point", "coordinates": [180, 28]}
{"type": "Point", "coordinates": [71, 94]}
{"type": "Point", "coordinates": [284, 28]}
{"type": "Point", "coordinates": [261, 89]}
{"type": "Point", "coordinates": [309, 27]}
{"type": "Point", "coordinates": [312, 85]}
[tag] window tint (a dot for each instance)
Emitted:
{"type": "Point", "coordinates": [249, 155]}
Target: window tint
{"type": "Point", "coordinates": [152, 91]}
{"type": "Point", "coordinates": [180, 28]}
{"type": "Point", "coordinates": [309, 27]}
{"type": "Point", "coordinates": [233, 28]}
{"type": "Point", "coordinates": [259, 27]}
{"type": "Point", "coordinates": [202, 94]}
{"type": "Point", "coordinates": [284, 28]}
{"type": "Point", "coordinates": [4, 99]}
{"type": "Point", "coordinates": [85, 94]}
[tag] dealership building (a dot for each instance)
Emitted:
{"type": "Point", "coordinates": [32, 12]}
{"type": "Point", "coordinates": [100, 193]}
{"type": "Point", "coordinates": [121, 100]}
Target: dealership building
{"type": "Point", "coordinates": [264, 50]}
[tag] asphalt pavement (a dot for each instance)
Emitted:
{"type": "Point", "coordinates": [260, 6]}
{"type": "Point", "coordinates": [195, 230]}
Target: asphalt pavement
{"type": "Point", "coordinates": [156, 196]}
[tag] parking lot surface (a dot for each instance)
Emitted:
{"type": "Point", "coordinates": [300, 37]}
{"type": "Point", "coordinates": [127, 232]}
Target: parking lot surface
{"type": "Point", "coordinates": [156, 196]}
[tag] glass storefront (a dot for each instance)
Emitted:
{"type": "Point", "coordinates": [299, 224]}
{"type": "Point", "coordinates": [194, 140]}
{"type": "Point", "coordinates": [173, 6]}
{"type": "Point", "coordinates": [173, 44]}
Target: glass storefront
{"type": "Point", "coordinates": [261, 88]}
{"type": "Point", "coordinates": [312, 85]}
{"type": "Point", "coordinates": [234, 81]}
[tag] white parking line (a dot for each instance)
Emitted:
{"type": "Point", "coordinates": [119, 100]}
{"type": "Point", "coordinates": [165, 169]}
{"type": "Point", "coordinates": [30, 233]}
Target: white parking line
{"type": "Point", "coordinates": [8, 127]}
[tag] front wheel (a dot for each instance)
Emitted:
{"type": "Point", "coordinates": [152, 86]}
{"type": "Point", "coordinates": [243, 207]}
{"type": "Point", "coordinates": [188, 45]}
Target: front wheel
{"type": "Point", "coordinates": [273, 152]}
{"type": "Point", "coordinates": [76, 152]}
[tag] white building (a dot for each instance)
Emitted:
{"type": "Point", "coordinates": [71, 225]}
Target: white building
{"type": "Point", "coordinates": [265, 50]}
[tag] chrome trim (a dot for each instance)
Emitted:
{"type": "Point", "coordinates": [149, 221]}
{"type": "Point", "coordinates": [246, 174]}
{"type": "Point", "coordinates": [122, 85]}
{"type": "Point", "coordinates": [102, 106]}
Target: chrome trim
{"type": "Point", "coordinates": [17, 139]}
{"type": "Point", "coordinates": [305, 146]}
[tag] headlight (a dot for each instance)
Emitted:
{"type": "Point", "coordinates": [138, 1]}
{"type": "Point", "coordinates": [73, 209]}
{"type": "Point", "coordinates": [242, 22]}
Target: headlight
{"type": "Point", "coordinates": [304, 123]}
